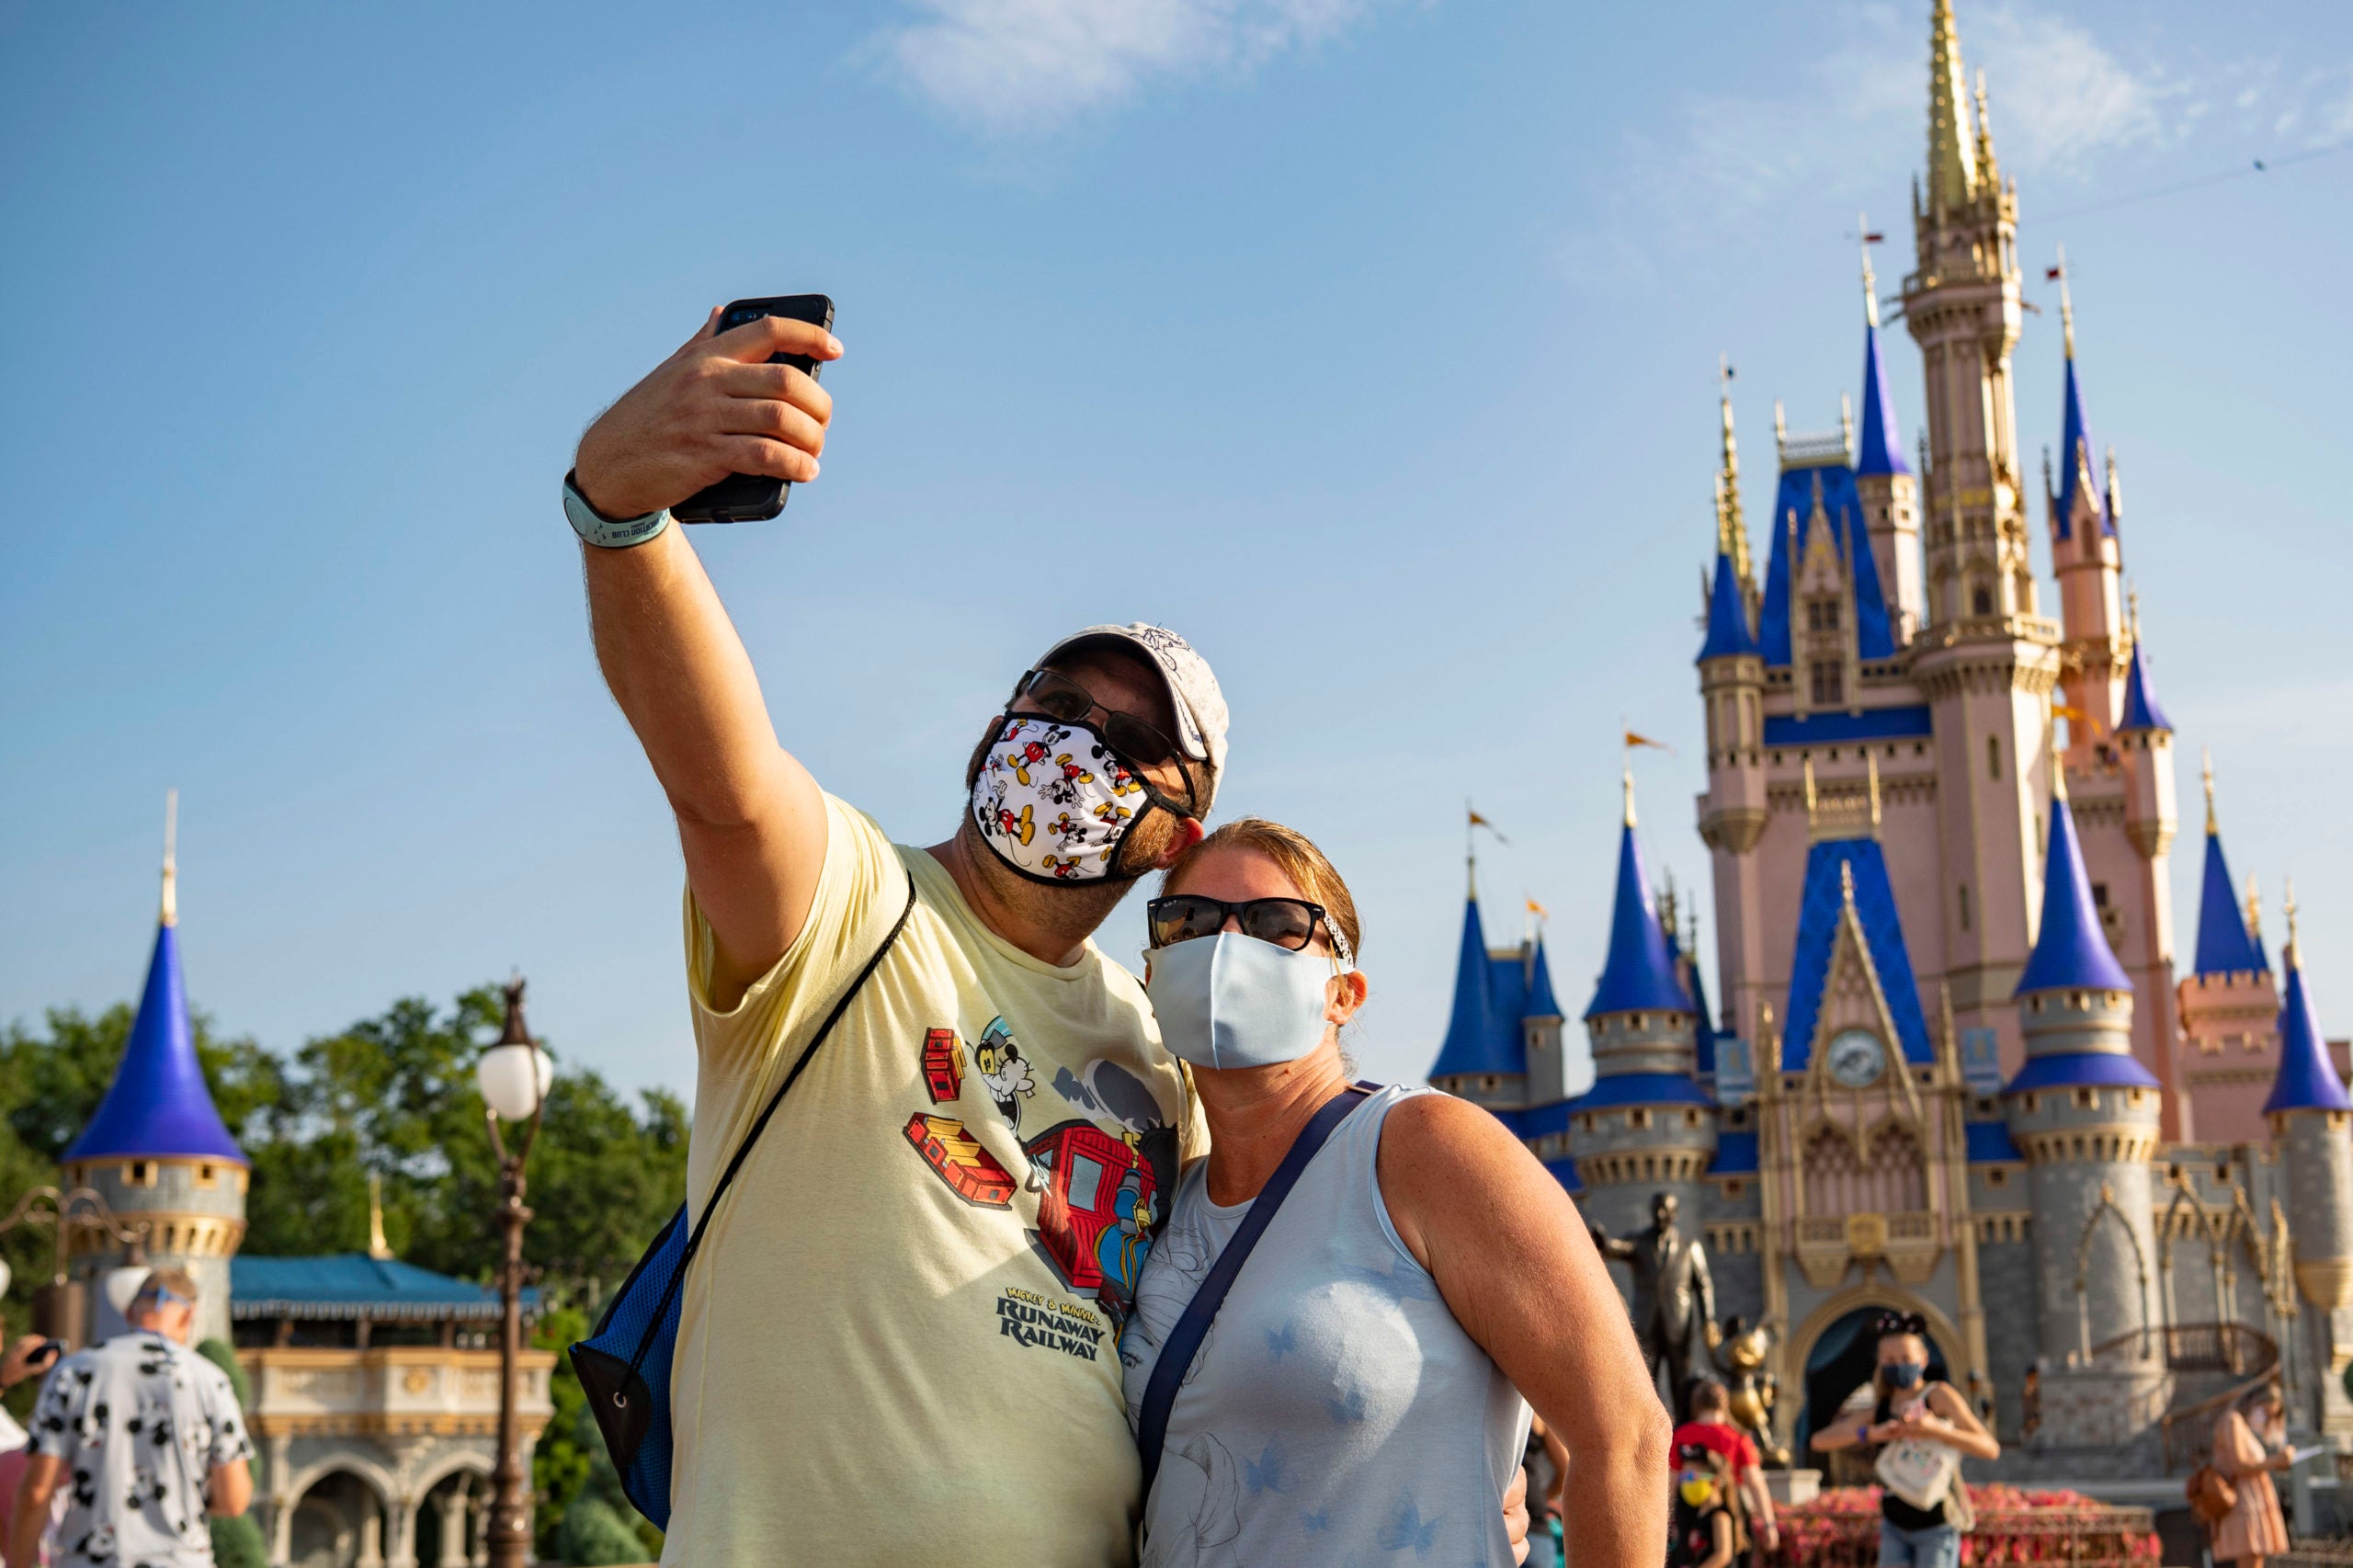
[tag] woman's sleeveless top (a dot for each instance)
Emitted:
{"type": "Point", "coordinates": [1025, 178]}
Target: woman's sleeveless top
{"type": "Point", "coordinates": [1337, 1412]}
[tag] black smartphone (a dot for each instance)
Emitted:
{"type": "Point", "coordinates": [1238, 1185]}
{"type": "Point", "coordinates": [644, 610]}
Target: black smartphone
{"type": "Point", "coordinates": [755, 497]}
{"type": "Point", "coordinates": [45, 1354]}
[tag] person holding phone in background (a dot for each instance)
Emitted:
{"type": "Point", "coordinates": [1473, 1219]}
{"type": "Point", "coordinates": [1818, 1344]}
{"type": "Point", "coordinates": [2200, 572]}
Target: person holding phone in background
{"type": "Point", "coordinates": [1921, 1431]}
{"type": "Point", "coordinates": [2248, 1447]}
{"type": "Point", "coordinates": [30, 1356]}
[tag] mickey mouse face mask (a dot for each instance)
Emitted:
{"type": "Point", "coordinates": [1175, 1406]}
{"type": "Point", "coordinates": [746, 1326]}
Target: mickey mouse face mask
{"type": "Point", "coordinates": [1053, 801]}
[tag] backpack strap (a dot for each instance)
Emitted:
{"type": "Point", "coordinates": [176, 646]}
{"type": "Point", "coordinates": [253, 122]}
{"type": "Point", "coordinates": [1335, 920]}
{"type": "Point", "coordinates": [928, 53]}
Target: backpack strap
{"type": "Point", "coordinates": [1184, 1341]}
{"type": "Point", "coordinates": [743, 1149]}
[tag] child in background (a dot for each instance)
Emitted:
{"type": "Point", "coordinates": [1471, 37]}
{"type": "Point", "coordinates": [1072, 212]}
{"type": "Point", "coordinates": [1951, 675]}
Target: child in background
{"type": "Point", "coordinates": [1706, 1530]}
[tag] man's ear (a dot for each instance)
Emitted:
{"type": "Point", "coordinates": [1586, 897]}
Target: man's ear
{"type": "Point", "coordinates": [1189, 833]}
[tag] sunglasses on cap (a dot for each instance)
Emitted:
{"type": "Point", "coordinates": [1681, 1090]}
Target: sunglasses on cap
{"type": "Point", "coordinates": [157, 1297]}
{"type": "Point", "coordinates": [1065, 701]}
{"type": "Point", "coordinates": [1286, 921]}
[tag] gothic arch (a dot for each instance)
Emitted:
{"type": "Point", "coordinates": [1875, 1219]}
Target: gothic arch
{"type": "Point", "coordinates": [463, 1461]}
{"type": "Point", "coordinates": [2107, 1208]}
{"type": "Point", "coordinates": [1941, 1329]}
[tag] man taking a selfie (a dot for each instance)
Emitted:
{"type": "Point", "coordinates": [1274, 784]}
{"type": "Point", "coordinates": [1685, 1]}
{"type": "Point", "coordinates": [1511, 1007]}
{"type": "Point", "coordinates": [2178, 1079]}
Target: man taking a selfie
{"type": "Point", "coordinates": [903, 1323]}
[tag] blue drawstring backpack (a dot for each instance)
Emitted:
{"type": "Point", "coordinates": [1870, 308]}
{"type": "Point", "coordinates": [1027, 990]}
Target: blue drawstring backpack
{"type": "Point", "coordinates": [624, 1366]}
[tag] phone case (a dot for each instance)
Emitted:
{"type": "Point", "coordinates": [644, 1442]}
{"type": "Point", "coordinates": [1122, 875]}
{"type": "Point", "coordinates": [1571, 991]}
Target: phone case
{"type": "Point", "coordinates": [755, 498]}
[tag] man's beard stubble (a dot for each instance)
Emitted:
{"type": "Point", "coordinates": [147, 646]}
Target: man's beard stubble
{"type": "Point", "coordinates": [1069, 909]}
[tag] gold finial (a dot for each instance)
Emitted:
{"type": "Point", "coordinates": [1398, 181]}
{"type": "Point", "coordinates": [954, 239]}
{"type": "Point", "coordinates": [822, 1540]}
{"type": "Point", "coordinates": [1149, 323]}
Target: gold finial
{"type": "Point", "coordinates": [171, 907]}
{"type": "Point", "coordinates": [378, 1247]}
{"type": "Point", "coordinates": [1629, 781]}
{"type": "Point", "coordinates": [2132, 612]}
{"type": "Point", "coordinates": [2207, 754]}
{"type": "Point", "coordinates": [1732, 533]}
{"type": "Point", "coordinates": [1781, 424]}
{"type": "Point", "coordinates": [2115, 491]}
{"type": "Point", "coordinates": [1870, 284]}
{"type": "Point", "coordinates": [2287, 905]}
{"type": "Point", "coordinates": [1952, 159]}
{"type": "Point", "coordinates": [2253, 908]}
{"type": "Point", "coordinates": [1985, 128]}
{"type": "Point", "coordinates": [1871, 760]}
{"type": "Point", "coordinates": [2066, 309]}
{"type": "Point", "coordinates": [2050, 747]}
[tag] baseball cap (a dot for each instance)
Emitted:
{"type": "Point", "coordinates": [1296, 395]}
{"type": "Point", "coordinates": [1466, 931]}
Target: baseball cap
{"type": "Point", "coordinates": [1193, 691]}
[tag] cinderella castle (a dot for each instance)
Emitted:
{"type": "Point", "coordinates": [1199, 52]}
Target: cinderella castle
{"type": "Point", "coordinates": [1955, 1068]}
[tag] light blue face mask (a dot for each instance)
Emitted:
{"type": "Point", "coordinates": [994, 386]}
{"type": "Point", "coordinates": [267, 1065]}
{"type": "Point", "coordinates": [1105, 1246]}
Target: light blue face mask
{"type": "Point", "coordinates": [1227, 1000]}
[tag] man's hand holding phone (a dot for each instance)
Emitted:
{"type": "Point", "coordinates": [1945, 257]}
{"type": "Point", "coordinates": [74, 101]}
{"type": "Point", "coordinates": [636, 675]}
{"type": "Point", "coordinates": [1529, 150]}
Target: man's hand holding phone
{"type": "Point", "coordinates": [714, 408]}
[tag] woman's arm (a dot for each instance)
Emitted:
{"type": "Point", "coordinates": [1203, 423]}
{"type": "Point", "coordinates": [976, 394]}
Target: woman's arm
{"type": "Point", "coordinates": [1845, 1431]}
{"type": "Point", "coordinates": [1514, 1263]}
{"type": "Point", "coordinates": [1720, 1551]}
{"type": "Point", "coordinates": [1960, 1428]}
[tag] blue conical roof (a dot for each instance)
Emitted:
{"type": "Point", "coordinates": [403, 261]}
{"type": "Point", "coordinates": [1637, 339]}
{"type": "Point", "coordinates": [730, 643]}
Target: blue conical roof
{"type": "Point", "coordinates": [2071, 950]}
{"type": "Point", "coordinates": [2224, 944]}
{"type": "Point", "coordinates": [1638, 975]}
{"type": "Point", "coordinates": [2307, 1079]}
{"type": "Point", "coordinates": [1728, 631]}
{"type": "Point", "coordinates": [2075, 467]}
{"type": "Point", "coordinates": [1879, 453]}
{"type": "Point", "coordinates": [158, 1106]}
{"type": "Point", "coordinates": [1540, 990]}
{"type": "Point", "coordinates": [1794, 499]}
{"type": "Point", "coordinates": [2141, 710]}
{"type": "Point", "coordinates": [1479, 1038]}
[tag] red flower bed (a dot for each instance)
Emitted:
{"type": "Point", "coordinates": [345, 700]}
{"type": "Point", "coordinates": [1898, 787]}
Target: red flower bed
{"type": "Point", "coordinates": [2015, 1526]}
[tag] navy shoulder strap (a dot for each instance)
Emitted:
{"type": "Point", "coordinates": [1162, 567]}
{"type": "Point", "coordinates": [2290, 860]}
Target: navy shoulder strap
{"type": "Point", "coordinates": [1184, 1341]}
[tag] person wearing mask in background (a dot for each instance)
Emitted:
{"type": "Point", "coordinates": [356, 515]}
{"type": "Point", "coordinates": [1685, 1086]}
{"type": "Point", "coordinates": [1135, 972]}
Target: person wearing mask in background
{"type": "Point", "coordinates": [1705, 1532]}
{"type": "Point", "coordinates": [1547, 1468]}
{"type": "Point", "coordinates": [1360, 1391]}
{"type": "Point", "coordinates": [996, 1053]}
{"type": "Point", "coordinates": [2247, 1449]}
{"type": "Point", "coordinates": [1710, 1427]}
{"type": "Point", "coordinates": [152, 1435]}
{"type": "Point", "coordinates": [1921, 1431]}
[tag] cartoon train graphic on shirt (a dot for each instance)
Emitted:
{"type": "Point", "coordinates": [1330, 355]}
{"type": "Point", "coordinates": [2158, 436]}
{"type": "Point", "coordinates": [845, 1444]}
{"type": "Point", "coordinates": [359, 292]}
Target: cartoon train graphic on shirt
{"type": "Point", "coordinates": [1095, 1187]}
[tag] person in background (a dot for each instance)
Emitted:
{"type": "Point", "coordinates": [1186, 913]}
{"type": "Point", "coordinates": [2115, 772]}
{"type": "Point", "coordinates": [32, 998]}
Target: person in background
{"type": "Point", "coordinates": [1547, 1468]}
{"type": "Point", "coordinates": [1364, 1388]}
{"type": "Point", "coordinates": [1910, 1409]}
{"type": "Point", "coordinates": [2247, 1449]}
{"type": "Point", "coordinates": [30, 1356]}
{"type": "Point", "coordinates": [154, 1439]}
{"type": "Point", "coordinates": [1705, 1533]}
{"type": "Point", "coordinates": [1710, 1427]}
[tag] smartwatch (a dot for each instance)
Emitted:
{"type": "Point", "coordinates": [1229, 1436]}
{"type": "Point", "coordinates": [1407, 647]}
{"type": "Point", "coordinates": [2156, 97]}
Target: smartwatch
{"type": "Point", "coordinates": [604, 532]}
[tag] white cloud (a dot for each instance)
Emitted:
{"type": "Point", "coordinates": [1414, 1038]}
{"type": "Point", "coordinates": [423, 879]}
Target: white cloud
{"type": "Point", "coordinates": [1854, 125]}
{"type": "Point", "coordinates": [1010, 67]}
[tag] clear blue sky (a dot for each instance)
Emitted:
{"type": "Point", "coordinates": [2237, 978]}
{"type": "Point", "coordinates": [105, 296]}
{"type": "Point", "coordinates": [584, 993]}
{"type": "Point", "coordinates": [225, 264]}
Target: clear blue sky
{"type": "Point", "coordinates": [1372, 346]}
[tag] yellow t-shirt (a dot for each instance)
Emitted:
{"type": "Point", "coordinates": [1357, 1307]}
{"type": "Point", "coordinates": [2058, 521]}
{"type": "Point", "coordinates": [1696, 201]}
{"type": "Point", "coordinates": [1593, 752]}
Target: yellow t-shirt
{"type": "Point", "coordinates": [899, 1341]}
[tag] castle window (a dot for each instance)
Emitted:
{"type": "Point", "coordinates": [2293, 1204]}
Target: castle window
{"type": "Point", "coordinates": [1826, 682]}
{"type": "Point", "coordinates": [2223, 1172]}
{"type": "Point", "coordinates": [2086, 1099]}
{"type": "Point", "coordinates": [207, 1175]}
{"type": "Point", "coordinates": [1690, 1119]}
{"type": "Point", "coordinates": [1998, 1176]}
{"type": "Point", "coordinates": [1981, 602]}
{"type": "Point", "coordinates": [1964, 905]}
{"type": "Point", "coordinates": [2033, 1102]}
{"type": "Point", "coordinates": [1822, 615]}
{"type": "Point", "coordinates": [2100, 894]}
{"type": "Point", "coordinates": [1639, 1120]}
{"type": "Point", "coordinates": [139, 1173]}
{"type": "Point", "coordinates": [1994, 757]}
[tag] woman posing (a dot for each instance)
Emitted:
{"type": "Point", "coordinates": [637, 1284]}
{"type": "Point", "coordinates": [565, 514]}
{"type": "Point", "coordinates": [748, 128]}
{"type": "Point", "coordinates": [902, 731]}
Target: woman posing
{"type": "Point", "coordinates": [1358, 1389]}
{"type": "Point", "coordinates": [1921, 1431]}
{"type": "Point", "coordinates": [2247, 1449]}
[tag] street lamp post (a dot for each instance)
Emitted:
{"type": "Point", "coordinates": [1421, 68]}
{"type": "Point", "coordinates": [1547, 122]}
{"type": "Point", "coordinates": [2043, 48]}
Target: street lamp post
{"type": "Point", "coordinates": [57, 1306]}
{"type": "Point", "coordinates": [513, 1075]}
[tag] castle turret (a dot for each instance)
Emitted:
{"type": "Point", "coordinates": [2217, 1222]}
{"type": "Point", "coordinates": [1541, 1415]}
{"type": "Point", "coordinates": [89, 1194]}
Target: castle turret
{"type": "Point", "coordinates": [1884, 481]}
{"type": "Point", "coordinates": [2142, 935]}
{"type": "Point", "coordinates": [2085, 1112]}
{"type": "Point", "coordinates": [1645, 1126]}
{"type": "Point", "coordinates": [1485, 1056]}
{"type": "Point", "coordinates": [1734, 812]}
{"type": "Point", "coordinates": [2312, 1125]}
{"type": "Point", "coordinates": [156, 1150]}
{"type": "Point", "coordinates": [2229, 1007]}
{"type": "Point", "coordinates": [2085, 555]}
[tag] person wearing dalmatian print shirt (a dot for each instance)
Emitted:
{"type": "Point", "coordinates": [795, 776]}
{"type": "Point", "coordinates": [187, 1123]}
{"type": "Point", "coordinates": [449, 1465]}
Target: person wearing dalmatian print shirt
{"type": "Point", "coordinates": [144, 1437]}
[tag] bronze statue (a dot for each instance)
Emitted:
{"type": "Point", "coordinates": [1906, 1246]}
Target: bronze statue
{"type": "Point", "coordinates": [1740, 1359]}
{"type": "Point", "coordinates": [1675, 1301]}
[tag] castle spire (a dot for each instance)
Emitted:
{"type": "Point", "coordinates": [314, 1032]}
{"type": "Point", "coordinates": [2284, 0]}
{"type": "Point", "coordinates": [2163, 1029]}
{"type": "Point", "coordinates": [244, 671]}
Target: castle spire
{"type": "Point", "coordinates": [170, 910]}
{"type": "Point", "coordinates": [1870, 284]}
{"type": "Point", "coordinates": [2142, 710]}
{"type": "Point", "coordinates": [2226, 942]}
{"type": "Point", "coordinates": [1953, 157]}
{"type": "Point", "coordinates": [2307, 1078]}
{"type": "Point", "coordinates": [1639, 973]}
{"type": "Point", "coordinates": [1877, 453]}
{"type": "Point", "coordinates": [2066, 303]}
{"type": "Point", "coordinates": [2206, 759]}
{"type": "Point", "coordinates": [1732, 532]}
{"type": "Point", "coordinates": [157, 1106]}
{"type": "Point", "coordinates": [2081, 497]}
{"type": "Point", "coordinates": [2069, 950]}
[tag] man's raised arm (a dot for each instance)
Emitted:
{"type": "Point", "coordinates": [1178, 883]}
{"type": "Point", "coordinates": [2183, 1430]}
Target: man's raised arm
{"type": "Point", "coordinates": [751, 820]}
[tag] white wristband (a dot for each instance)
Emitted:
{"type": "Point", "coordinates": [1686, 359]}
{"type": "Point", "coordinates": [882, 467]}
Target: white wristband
{"type": "Point", "coordinates": [604, 532]}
